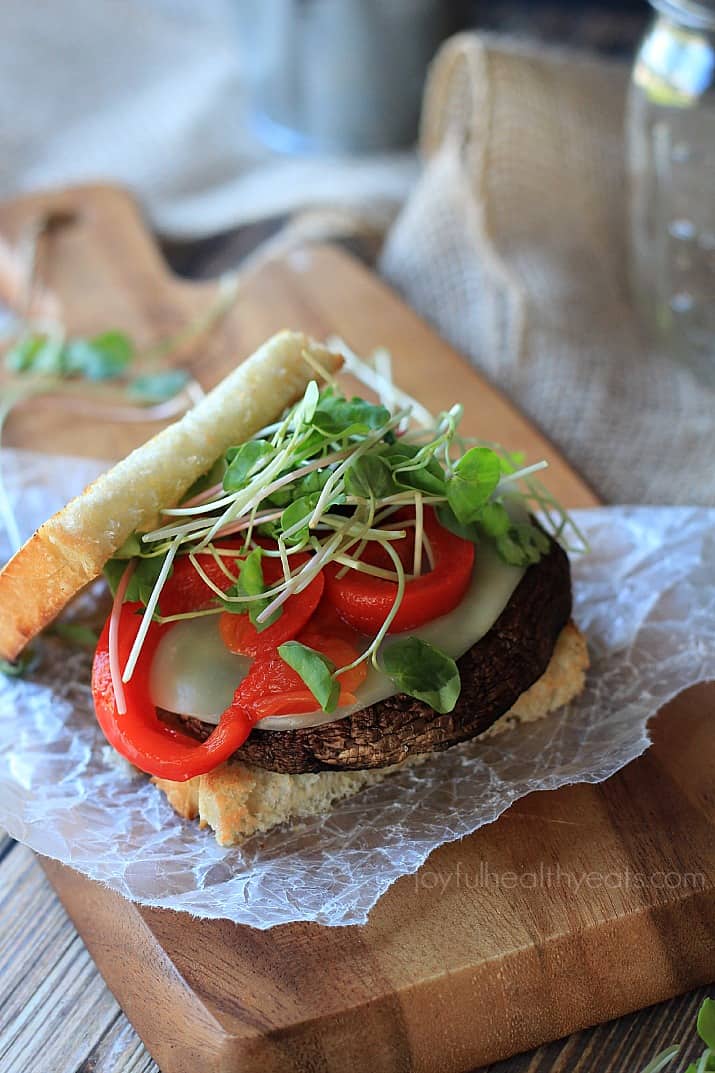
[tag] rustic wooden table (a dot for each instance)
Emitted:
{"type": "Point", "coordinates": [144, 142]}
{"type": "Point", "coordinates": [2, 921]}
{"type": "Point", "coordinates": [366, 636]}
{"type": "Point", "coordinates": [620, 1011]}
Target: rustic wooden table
{"type": "Point", "coordinates": [58, 1016]}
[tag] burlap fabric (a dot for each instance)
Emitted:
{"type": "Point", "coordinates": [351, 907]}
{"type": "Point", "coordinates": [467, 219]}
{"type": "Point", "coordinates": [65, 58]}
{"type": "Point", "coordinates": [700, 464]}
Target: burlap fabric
{"type": "Point", "coordinates": [514, 244]}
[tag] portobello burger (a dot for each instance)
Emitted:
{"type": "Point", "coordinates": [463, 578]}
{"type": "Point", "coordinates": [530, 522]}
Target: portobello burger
{"type": "Point", "coordinates": [308, 590]}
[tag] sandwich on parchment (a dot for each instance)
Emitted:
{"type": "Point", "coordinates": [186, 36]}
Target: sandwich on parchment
{"type": "Point", "coordinates": [308, 591]}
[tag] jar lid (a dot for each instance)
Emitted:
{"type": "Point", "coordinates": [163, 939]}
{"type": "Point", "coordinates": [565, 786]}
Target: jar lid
{"type": "Point", "coordinates": [699, 14]}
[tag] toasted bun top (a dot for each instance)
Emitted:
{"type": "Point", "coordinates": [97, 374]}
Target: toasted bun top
{"type": "Point", "coordinates": [71, 548]}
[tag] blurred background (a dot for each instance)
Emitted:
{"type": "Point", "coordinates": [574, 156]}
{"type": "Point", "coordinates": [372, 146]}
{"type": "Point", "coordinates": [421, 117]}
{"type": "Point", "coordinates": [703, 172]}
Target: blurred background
{"type": "Point", "coordinates": [197, 106]}
{"type": "Point", "coordinates": [536, 177]}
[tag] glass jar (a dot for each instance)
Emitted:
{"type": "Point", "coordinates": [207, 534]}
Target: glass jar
{"type": "Point", "coordinates": [671, 157]}
{"type": "Point", "coordinates": [335, 76]}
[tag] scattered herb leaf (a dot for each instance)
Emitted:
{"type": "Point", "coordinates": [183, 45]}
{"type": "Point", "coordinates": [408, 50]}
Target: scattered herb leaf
{"type": "Point", "coordinates": [158, 387]}
{"type": "Point", "coordinates": [316, 670]}
{"type": "Point", "coordinates": [105, 357]}
{"type": "Point", "coordinates": [423, 671]}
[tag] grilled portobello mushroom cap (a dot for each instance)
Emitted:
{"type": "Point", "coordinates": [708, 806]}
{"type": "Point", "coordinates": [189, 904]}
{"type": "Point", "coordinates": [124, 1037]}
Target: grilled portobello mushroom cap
{"type": "Point", "coordinates": [495, 672]}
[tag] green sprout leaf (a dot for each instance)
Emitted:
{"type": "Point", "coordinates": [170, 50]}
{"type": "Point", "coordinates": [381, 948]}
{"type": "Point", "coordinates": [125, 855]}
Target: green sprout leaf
{"type": "Point", "coordinates": [131, 548]}
{"type": "Point", "coordinates": [661, 1060]}
{"type": "Point", "coordinates": [370, 476]}
{"type": "Point", "coordinates": [250, 578]}
{"type": "Point", "coordinates": [36, 354]}
{"type": "Point", "coordinates": [522, 544]}
{"type": "Point", "coordinates": [158, 387]}
{"type": "Point", "coordinates": [475, 478]}
{"type": "Point", "coordinates": [298, 511]}
{"type": "Point", "coordinates": [337, 417]}
{"type": "Point", "coordinates": [75, 634]}
{"type": "Point", "coordinates": [250, 583]}
{"type": "Point", "coordinates": [449, 520]}
{"type": "Point", "coordinates": [422, 474]}
{"type": "Point", "coordinates": [142, 582]}
{"type": "Point", "coordinates": [316, 670]}
{"type": "Point", "coordinates": [18, 668]}
{"type": "Point", "coordinates": [494, 519]}
{"type": "Point", "coordinates": [423, 671]}
{"type": "Point", "coordinates": [706, 1023]}
{"type": "Point", "coordinates": [243, 462]}
{"type": "Point", "coordinates": [491, 521]}
{"type": "Point", "coordinates": [105, 357]}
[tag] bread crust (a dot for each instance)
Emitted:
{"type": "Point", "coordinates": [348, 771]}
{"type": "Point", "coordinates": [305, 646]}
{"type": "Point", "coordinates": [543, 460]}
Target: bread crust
{"type": "Point", "coordinates": [70, 549]}
{"type": "Point", "coordinates": [238, 800]}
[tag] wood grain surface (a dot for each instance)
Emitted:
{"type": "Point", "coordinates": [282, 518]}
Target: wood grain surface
{"type": "Point", "coordinates": [455, 969]}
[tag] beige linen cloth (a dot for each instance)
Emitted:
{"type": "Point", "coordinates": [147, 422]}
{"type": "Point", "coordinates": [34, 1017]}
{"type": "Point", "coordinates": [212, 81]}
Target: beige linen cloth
{"type": "Point", "coordinates": [514, 244]}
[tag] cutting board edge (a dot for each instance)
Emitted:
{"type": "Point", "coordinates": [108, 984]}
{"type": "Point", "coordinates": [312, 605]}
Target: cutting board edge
{"type": "Point", "coordinates": [263, 1046]}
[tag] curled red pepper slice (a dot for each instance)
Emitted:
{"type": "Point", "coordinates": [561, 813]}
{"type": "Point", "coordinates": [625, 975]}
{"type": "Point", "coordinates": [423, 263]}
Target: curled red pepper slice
{"type": "Point", "coordinates": [364, 601]}
{"type": "Point", "coordinates": [241, 636]}
{"type": "Point", "coordinates": [139, 735]}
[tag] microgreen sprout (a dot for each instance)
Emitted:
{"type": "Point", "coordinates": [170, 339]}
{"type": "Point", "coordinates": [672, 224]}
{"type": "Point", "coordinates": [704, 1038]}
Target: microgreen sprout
{"type": "Point", "coordinates": [332, 477]}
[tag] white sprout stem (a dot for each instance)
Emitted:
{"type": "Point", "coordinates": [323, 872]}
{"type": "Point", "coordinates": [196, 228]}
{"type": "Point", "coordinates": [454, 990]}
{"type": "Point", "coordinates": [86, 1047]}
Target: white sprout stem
{"type": "Point", "coordinates": [163, 619]}
{"type": "Point", "coordinates": [703, 1062]}
{"type": "Point", "coordinates": [201, 497]}
{"type": "Point", "coordinates": [419, 531]}
{"type": "Point", "coordinates": [216, 590]}
{"type": "Point", "coordinates": [372, 379]}
{"type": "Point", "coordinates": [149, 612]}
{"type": "Point", "coordinates": [243, 500]}
{"type": "Point", "coordinates": [207, 505]}
{"type": "Point", "coordinates": [239, 527]}
{"type": "Point", "coordinates": [372, 649]}
{"type": "Point", "coordinates": [365, 568]}
{"type": "Point", "coordinates": [294, 549]}
{"type": "Point", "coordinates": [301, 580]}
{"type": "Point", "coordinates": [196, 532]}
{"type": "Point", "coordinates": [113, 640]}
{"type": "Point", "coordinates": [319, 368]}
{"type": "Point", "coordinates": [354, 453]}
{"type": "Point", "coordinates": [220, 564]}
{"type": "Point", "coordinates": [275, 486]}
{"type": "Point", "coordinates": [363, 540]}
{"type": "Point", "coordinates": [427, 544]}
{"type": "Point", "coordinates": [284, 559]}
{"type": "Point", "coordinates": [519, 474]}
{"type": "Point", "coordinates": [360, 532]}
{"type": "Point", "coordinates": [8, 515]}
{"type": "Point", "coordinates": [250, 528]}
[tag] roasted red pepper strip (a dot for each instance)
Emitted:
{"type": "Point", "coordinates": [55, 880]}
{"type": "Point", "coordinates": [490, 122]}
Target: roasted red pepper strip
{"type": "Point", "coordinates": [271, 687]}
{"type": "Point", "coordinates": [364, 601]}
{"type": "Point", "coordinates": [139, 734]}
{"type": "Point", "coordinates": [241, 636]}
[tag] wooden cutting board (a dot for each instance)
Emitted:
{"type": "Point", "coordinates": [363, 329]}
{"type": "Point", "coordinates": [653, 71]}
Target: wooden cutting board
{"type": "Point", "coordinates": [574, 907]}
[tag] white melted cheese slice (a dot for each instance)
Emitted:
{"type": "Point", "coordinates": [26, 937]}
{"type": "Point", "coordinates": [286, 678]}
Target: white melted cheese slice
{"type": "Point", "coordinates": [193, 673]}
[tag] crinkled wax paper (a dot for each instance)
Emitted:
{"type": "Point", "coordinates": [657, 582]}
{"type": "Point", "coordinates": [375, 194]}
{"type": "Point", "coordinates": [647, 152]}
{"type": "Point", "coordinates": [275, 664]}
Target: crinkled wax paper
{"type": "Point", "coordinates": [645, 597]}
